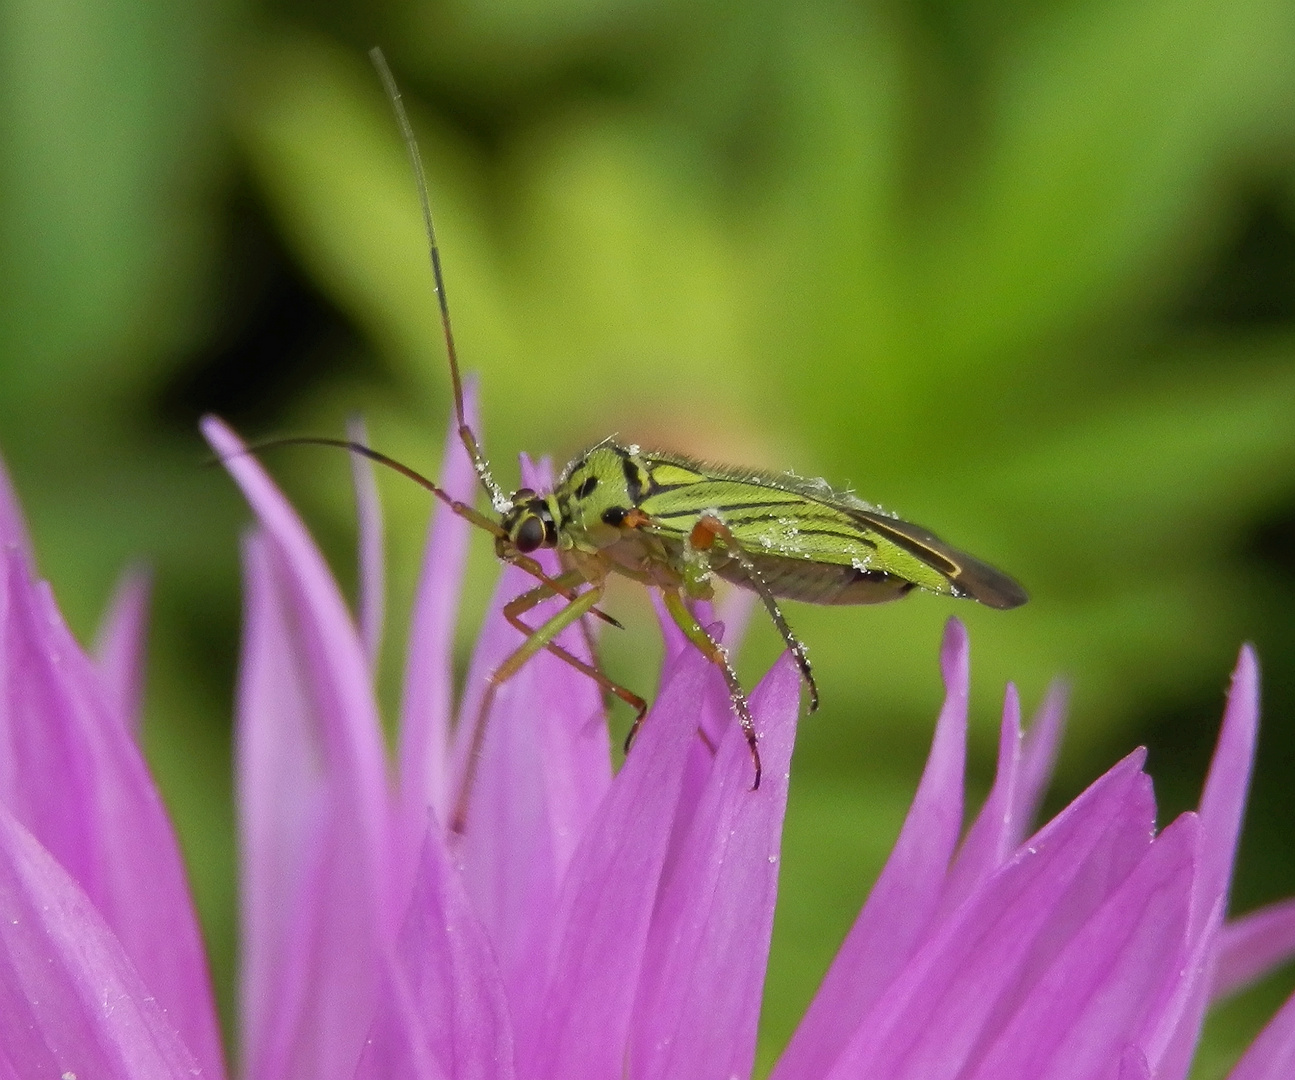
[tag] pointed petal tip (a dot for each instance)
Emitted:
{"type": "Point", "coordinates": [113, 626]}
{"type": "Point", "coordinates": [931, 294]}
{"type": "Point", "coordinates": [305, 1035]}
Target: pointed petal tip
{"type": "Point", "coordinates": [955, 662]}
{"type": "Point", "coordinates": [219, 435]}
{"type": "Point", "coordinates": [1012, 704]}
{"type": "Point", "coordinates": [1056, 701]}
{"type": "Point", "coordinates": [779, 691]}
{"type": "Point", "coordinates": [119, 645]}
{"type": "Point", "coordinates": [1245, 676]}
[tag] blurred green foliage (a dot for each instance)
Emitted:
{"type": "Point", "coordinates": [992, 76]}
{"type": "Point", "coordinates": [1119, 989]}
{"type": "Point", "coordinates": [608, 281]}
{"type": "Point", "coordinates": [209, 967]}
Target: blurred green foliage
{"type": "Point", "coordinates": [1024, 271]}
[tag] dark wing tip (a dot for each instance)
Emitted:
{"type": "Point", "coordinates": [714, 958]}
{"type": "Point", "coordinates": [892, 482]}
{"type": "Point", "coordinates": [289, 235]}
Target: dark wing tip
{"type": "Point", "coordinates": [966, 573]}
{"type": "Point", "coordinates": [991, 587]}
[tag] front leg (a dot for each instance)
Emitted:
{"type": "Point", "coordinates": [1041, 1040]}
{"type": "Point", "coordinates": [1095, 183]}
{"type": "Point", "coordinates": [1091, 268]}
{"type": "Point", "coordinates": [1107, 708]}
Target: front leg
{"type": "Point", "coordinates": [537, 638]}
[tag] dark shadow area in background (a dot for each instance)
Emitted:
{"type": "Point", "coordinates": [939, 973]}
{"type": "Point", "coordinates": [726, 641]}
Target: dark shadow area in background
{"type": "Point", "coordinates": [274, 337]}
{"type": "Point", "coordinates": [1250, 289]}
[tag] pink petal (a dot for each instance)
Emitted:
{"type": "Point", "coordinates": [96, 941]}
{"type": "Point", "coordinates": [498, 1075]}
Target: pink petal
{"type": "Point", "coordinates": [1224, 798]}
{"type": "Point", "coordinates": [317, 900]}
{"type": "Point", "coordinates": [119, 646]}
{"type": "Point", "coordinates": [904, 898]}
{"type": "Point", "coordinates": [442, 1009]}
{"type": "Point", "coordinates": [532, 794]}
{"type": "Point", "coordinates": [715, 712]}
{"type": "Point", "coordinates": [1172, 1032]}
{"type": "Point", "coordinates": [1038, 758]}
{"type": "Point", "coordinates": [283, 806]}
{"type": "Point", "coordinates": [1133, 1065]}
{"type": "Point", "coordinates": [320, 897]}
{"type": "Point", "coordinates": [1171, 1042]}
{"type": "Point", "coordinates": [587, 973]}
{"type": "Point", "coordinates": [13, 526]}
{"type": "Point", "coordinates": [71, 773]}
{"type": "Point", "coordinates": [1272, 1055]}
{"type": "Point", "coordinates": [543, 768]}
{"type": "Point", "coordinates": [716, 721]}
{"type": "Point", "coordinates": [1103, 985]}
{"type": "Point", "coordinates": [577, 742]}
{"type": "Point", "coordinates": [71, 1002]}
{"type": "Point", "coordinates": [734, 609]}
{"type": "Point", "coordinates": [373, 579]}
{"type": "Point", "coordinates": [425, 709]}
{"type": "Point", "coordinates": [983, 964]}
{"type": "Point", "coordinates": [989, 840]}
{"type": "Point", "coordinates": [699, 999]}
{"type": "Point", "coordinates": [1252, 946]}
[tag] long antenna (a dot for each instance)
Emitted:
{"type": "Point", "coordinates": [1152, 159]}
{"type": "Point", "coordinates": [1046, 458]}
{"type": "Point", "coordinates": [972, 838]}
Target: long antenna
{"type": "Point", "coordinates": [523, 562]}
{"type": "Point", "coordinates": [498, 499]}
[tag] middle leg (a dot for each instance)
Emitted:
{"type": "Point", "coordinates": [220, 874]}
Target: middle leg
{"type": "Point", "coordinates": [715, 653]}
{"type": "Point", "coordinates": [704, 533]}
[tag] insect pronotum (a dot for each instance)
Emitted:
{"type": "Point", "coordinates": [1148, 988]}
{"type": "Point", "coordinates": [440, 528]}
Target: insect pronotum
{"type": "Point", "coordinates": [676, 524]}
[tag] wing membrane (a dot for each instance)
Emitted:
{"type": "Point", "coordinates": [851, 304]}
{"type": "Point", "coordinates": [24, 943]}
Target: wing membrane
{"type": "Point", "coordinates": [965, 572]}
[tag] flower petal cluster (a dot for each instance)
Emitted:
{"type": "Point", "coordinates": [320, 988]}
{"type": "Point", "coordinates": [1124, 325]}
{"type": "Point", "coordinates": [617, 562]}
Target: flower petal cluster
{"type": "Point", "coordinates": [578, 920]}
{"type": "Point", "coordinates": [102, 972]}
{"type": "Point", "coordinates": [581, 924]}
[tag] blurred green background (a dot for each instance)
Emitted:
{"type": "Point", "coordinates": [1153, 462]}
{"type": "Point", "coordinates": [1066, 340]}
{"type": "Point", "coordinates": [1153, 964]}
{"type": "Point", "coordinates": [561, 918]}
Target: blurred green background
{"type": "Point", "coordinates": [1024, 272]}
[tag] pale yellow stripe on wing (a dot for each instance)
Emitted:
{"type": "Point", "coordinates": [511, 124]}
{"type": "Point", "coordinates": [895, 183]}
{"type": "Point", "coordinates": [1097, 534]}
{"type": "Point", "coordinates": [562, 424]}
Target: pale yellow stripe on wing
{"type": "Point", "coordinates": [669, 475]}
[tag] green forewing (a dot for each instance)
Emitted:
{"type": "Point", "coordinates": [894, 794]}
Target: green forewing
{"type": "Point", "coordinates": [810, 543]}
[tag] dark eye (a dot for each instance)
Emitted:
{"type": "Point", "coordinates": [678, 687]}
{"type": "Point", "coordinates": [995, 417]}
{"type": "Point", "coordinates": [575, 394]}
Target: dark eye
{"type": "Point", "coordinates": [529, 534]}
{"type": "Point", "coordinates": [587, 488]}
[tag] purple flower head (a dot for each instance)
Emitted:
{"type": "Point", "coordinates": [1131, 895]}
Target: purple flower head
{"type": "Point", "coordinates": [581, 924]}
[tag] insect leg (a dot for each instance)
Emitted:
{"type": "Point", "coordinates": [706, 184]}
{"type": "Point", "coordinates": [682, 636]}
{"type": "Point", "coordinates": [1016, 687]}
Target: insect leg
{"type": "Point", "coordinates": [462, 509]}
{"type": "Point", "coordinates": [513, 612]}
{"type": "Point", "coordinates": [562, 585]}
{"type": "Point", "coordinates": [540, 637]}
{"type": "Point", "coordinates": [714, 652]}
{"type": "Point", "coordinates": [704, 534]}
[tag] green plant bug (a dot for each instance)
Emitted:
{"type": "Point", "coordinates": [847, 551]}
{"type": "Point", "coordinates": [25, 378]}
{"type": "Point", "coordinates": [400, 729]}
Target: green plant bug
{"type": "Point", "coordinates": [676, 524]}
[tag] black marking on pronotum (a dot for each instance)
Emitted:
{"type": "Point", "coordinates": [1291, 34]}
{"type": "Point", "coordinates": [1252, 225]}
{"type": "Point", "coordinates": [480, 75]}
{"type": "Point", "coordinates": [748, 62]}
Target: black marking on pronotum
{"type": "Point", "coordinates": [587, 487]}
{"type": "Point", "coordinates": [633, 478]}
{"type": "Point", "coordinates": [614, 515]}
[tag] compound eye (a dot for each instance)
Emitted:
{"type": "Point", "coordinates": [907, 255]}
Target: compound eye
{"type": "Point", "coordinates": [529, 534]}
